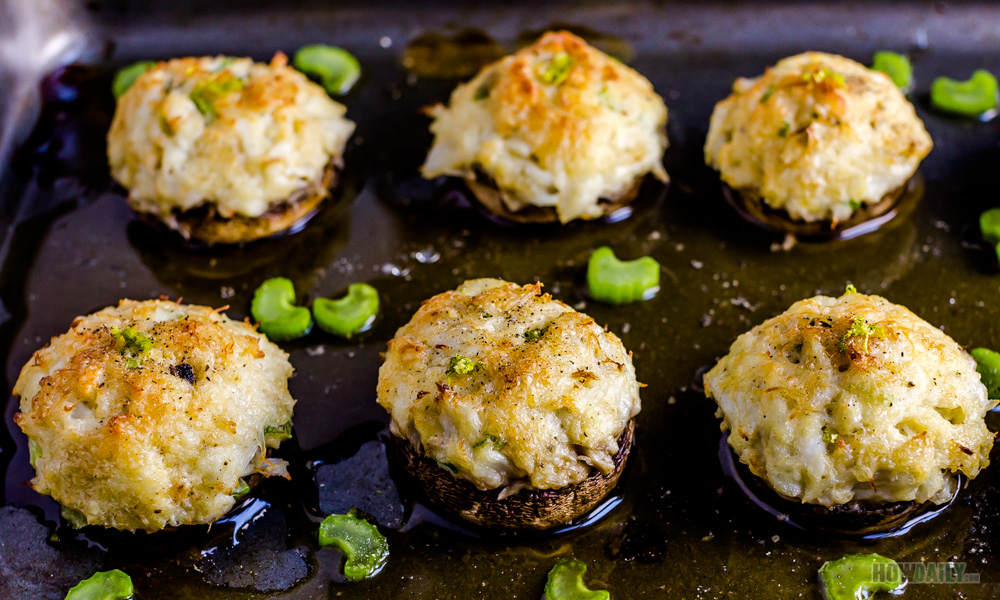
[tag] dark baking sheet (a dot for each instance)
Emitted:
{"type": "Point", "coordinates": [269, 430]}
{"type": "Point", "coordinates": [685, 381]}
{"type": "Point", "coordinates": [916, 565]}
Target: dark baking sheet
{"type": "Point", "coordinates": [681, 529]}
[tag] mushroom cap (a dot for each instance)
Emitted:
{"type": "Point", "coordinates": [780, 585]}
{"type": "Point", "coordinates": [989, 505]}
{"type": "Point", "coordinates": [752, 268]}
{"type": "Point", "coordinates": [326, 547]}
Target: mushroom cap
{"type": "Point", "coordinates": [528, 509]}
{"type": "Point", "coordinates": [205, 224]}
{"type": "Point", "coordinates": [496, 201]}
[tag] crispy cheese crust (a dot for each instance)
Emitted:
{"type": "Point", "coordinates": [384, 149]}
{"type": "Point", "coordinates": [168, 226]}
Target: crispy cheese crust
{"type": "Point", "coordinates": [238, 136]}
{"type": "Point", "coordinates": [853, 399]}
{"type": "Point", "coordinates": [160, 437]}
{"type": "Point", "coordinates": [558, 124]}
{"type": "Point", "coordinates": [817, 135]}
{"type": "Point", "coordinates": [541, 403]}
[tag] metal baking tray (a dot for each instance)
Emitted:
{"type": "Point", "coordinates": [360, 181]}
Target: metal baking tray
{"type": "Point", "coordinates": [678, 526]}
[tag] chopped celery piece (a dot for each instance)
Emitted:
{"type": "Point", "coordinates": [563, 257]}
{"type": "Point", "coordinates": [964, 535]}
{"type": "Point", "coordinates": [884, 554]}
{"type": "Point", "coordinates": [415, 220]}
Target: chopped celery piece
{"type": "Point", "coordinates": [282, 432]}
{"type": "Point", "coordinates": [829, 436]}
{"type": "Point", "coordinates": [556, 70]}
{"type": "Point", "coordinates": [73, 517]}
{"type": "Point", "coordinates": [896, 66]}
{"type": "Point", "coordinates": [857, 576]}
{"type": "Point", "coordinates": [349, 315]}
{"type": "Point", "coordinates": [618, 282]}
{"type": "Point", "coordinates": [490, 439]}
{"type": "Point", "coordinates": [861, 328]}
{"type": "Point", "coordinates": [206, 93]}
{"type": "Point", "coordinates": [104, 585]}
{"type": "Point", "coordinates": [823, 74]}
{"type": "Point", "coordinates": [969, 98]}
{"type": "Point", "coordinates": [132, 340]}
{"type": "Point", "coordinates": [126, 76]}
{"type": "Point", "coordinates": [365, 549]}
{"type": "Point", "coordinates": [336, 69]}
{"type": "Point", "coordinates": [274, 308]}
{"type": "Point", "coordinates": [241, 490]}
{"type": "Point", "coordinates": [533, 334]}
{"type": "Point", "coordinates": [566, 583]}
{"type": "Point", "coordinates": [462, 365]}
{"type": "Point", "coordinates": [988, 365]}
{"type": "Point", "coordinates": [34, 451]}
{"type": "Point", "coordinates": [989, 225]}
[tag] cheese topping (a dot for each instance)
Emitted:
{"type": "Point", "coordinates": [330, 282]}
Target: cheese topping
{"type": "Point", "coordinates": [504, 386]}
{"type": "Point", "coordinates": [817, 135]}
{"type": "Point", "coordinates": [238, 135]}
{"type": "Point", "coordinates": [148, 414]}
{"type": "Point", "coordinates": [558, 124]}
{"type": "Point", "coordinates": [853, 398]}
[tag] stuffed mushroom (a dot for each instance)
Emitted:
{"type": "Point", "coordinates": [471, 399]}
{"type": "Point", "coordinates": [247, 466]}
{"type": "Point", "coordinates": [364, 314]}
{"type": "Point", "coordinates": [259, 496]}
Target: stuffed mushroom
{"type": "Point", "coordinates": [853, 404]}
{"type": "Point", "coordinates": [153, 414]}
{"type": "Point", "coordinates": [226, 150]}
{"type": "Point", "coordinates": [509, 408]}
{"type": "Point", "coordinates": [555, 132]}
{"type": "Point", "coordinates": [817, 142]}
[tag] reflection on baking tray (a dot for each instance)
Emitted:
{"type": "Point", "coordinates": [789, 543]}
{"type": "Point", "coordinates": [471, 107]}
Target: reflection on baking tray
{"type": "Point", "coordinates": [224, 269]}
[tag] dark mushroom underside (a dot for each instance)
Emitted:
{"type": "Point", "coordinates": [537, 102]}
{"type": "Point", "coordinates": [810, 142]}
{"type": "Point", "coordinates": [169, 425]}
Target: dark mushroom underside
{"type": "Point", "coordinates": [204, 223]}
{"type": "Point", "coordinates": [528, 509]}
{"type": "Point", "coordinates": [854, 519]}
{"type": "Point", "coordinates": [485, 190]}
{"type": "Point", "coordinates": [751, 207]}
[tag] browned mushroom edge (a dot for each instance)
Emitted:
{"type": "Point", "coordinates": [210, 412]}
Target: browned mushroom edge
{"type": "Point", "coordinates": [751, 207]}
{"type": "Point", "coordinates": [862, 520]}
{"type": "Point", "coordinates": [492, 198]}
{"type": "Point", "coordinates": [204, 224]}
{"type": "Point", "coordinates": [527, 510]}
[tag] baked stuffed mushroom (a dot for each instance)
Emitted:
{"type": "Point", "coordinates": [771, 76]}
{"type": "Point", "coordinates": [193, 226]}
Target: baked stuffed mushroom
{"type": "Point", "coordinates": [226, 150]}
{"type": "Point", "coordinates": [817, 142]}
{"type": "Point", "coordinates": [853, 404]}
{"type": "Point", "coordinates": [153, 414]}
{"type": "Point", "coordinates": [556, 132]}
{"type": "Point", "coordinates": [510, 409]}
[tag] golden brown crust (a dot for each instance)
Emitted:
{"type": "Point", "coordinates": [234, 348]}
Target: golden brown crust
{"type": "Point", "coordinates": [817, 135]}
{"type": "Point", "coordinates": [205, 224]}
{"type": "Point", "coordinates": [507, 385]}
{"type": "Point", "coordinates": [558, 125]}
{"type": "Point", "coordinates": [157, 436]}
{"type": "Point", "coordinates": [225, 131]}
{"type": "Point", "coordinates": [528, 509]}
{"type": "Point", "coordinates": [853, 399]}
